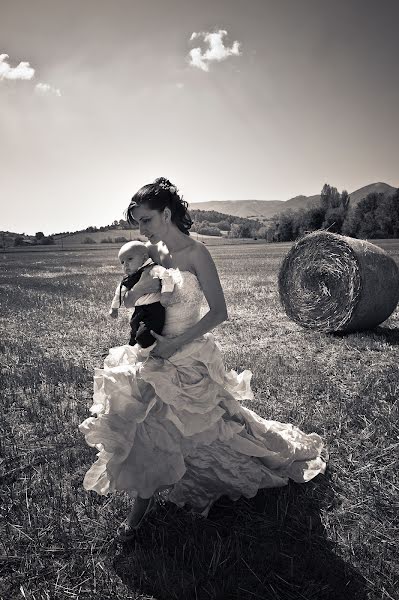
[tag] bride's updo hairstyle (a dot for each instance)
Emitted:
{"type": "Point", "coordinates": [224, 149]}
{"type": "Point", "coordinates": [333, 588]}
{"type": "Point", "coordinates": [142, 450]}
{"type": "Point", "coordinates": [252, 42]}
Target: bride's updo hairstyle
{"type": "Point", "coordinates": [160, 195]}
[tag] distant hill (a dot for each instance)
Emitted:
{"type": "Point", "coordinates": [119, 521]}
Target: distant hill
{"type": "Point", "coordinates": [301, 202]}
{"type": "Point", "coordinates": [266, 209]}
{"type": "Point", "coordinates": [241, 208]}
{"type": "Point", "coordinates": [355, 197]}
{"type": "Point", "coordinates": [376, 188]}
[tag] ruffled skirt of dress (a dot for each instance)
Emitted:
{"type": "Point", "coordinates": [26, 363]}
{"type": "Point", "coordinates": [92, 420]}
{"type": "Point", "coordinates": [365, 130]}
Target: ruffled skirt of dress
{"type": "Point", "coordinates": [178, 424]}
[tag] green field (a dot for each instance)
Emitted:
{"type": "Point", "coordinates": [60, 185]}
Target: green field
{"type": "Point", "coordinates": [333, 538]}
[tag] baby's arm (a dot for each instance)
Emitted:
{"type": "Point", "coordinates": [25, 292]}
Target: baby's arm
{"type": "Point", "coordinates": [167, 289]}
{"type": "Point", "coordinates": [169, 278]}
{"type": "Point", "coordinates": [113, 311]}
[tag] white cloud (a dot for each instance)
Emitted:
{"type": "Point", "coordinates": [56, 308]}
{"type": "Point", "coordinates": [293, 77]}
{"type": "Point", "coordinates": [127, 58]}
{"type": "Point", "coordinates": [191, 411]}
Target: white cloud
{"type": "Point", "coordinates": [21, 71]}
{"type": "Point", "coordinates": [24, 71]}
{"type": "Point", "coordinates": [216, 50]}
{"type": "Point", "coordinates": [196, 59]}
{"type": "Point", "coordinates": [45, 88]}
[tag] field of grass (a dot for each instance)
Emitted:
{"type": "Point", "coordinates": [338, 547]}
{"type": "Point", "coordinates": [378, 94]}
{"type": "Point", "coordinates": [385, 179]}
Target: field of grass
{"type": "Point", "coordinates": [79, 241]}
{"type": "Point", "coordinates": [76, 239]}
{"type": "Point", "coordinates": [98, 237]}
{"type": "Point", "coordinates": [334, 538]}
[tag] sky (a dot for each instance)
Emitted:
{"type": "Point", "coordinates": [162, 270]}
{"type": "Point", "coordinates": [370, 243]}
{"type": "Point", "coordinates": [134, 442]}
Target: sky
{"type": "Point", "coordinates": [229, 99]}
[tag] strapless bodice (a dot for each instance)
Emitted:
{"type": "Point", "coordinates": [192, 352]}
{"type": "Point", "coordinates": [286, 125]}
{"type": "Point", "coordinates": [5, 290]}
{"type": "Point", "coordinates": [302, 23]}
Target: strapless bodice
{"type": "Point", "coordinates": [186, 308]}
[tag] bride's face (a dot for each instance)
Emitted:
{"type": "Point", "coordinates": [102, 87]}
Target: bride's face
{"type": "Point", "coordinates": [152, 223]}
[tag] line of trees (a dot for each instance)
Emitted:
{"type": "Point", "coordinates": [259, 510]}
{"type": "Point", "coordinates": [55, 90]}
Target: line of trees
{"type": "Point", "coordinates": [212, 222]}
{"type": "Point", "coordinates": [206, 222]}
{"type": "Point", "coordinates": [375, 216]}
{"type": "Point", "coordinates": [39, 240]}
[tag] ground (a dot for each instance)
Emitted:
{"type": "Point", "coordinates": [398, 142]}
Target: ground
{"type": "Point", "coordinates": [333, 538]}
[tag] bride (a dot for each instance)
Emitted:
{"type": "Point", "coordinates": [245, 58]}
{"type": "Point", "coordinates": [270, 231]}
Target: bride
{"type": "Point", "coordinates": [173, 420]}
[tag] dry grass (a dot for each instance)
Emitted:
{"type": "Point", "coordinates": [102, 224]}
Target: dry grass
{"type": "Point", "coordinates": [333, 538]}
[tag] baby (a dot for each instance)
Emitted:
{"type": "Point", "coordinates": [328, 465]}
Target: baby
{"type": "Point", "coordinates": [149, 313]}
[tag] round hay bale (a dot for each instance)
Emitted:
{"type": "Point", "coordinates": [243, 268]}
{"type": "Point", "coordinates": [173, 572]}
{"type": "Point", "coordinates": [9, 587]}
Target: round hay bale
{"type": "Point", "coordinates": [334, 283]}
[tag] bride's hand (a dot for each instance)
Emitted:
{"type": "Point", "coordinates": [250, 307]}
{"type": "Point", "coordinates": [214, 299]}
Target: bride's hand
{"type": "Point", "coordinates": [165, 346]}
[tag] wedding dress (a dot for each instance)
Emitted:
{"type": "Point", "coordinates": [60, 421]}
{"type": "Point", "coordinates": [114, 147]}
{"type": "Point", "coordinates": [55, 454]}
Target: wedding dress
{"type": "Point", "coordinates": [178, 424]}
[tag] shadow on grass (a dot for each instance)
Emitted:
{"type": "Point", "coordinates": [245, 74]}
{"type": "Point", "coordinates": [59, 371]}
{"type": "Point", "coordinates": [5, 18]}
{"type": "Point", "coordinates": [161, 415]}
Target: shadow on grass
{"type": "Point", "coordinates": [272, 547]}
{"type": "Point", "coordinates": [390, 335]}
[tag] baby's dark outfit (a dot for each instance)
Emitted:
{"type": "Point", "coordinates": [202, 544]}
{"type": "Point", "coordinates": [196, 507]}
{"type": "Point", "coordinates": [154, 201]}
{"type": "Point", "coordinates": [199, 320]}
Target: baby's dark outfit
{"type": "Point", "coordinates": [146, 317]}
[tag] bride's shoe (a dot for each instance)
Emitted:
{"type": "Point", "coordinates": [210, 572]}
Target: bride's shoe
{"type": "Point", "coordinates": [126, 532]}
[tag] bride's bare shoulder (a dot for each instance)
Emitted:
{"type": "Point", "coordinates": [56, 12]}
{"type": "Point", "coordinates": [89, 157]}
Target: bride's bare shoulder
{"type": "Point", "coordinates": [153, 251]}
{"type": "Point", "coordinates": [198, 247]}
{"type": "Point", "coordinates": [199, 255]}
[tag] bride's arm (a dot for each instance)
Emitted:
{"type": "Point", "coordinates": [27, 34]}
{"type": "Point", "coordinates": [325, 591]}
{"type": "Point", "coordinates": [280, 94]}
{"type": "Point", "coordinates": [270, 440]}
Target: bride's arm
{"type": "Point", "coordinates": [208, 278]}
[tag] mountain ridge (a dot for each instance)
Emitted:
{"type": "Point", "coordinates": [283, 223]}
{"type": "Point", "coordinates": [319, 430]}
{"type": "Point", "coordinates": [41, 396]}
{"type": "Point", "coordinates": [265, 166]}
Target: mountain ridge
{"type": "Point", "coordinates": [266, 209]}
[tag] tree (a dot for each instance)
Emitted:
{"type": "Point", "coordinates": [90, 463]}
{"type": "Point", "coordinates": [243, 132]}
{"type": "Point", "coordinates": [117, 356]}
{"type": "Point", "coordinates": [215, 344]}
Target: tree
{"type": "Point", "coordinates": [209, 230]}
{"type": "Point", "coordinates": [362, 221]}
{"type": "Point", "coordinates": [387, 216]}
{"type": "Point", "coordinates": [39, 235]}
{"type": "Point", "coordinates": [333, 220]}
{"type": "Point", "coordinates": [234, 231]}
{"type": "Point", "coordinates": [262, 233]}
{"type": "Point", "coordinates": [349, 225]}
{"type": "Point", "coordinates": [336, 207]}
{"type": "Point", "coordinates": [329, 197]}
{"type": "Point", "coordinates": [239, 230]}
{"type": "Point", "coordinates": [18, 240]}
{"type": "Point", "coordinates": [223, 225]}
{"type": "Point", "coordinates": [345, 199]}
{"type": "Point", "coordinates": [48, 241]}
{"type": "Point", "coordinates": [197, 225]}
{"type": "Point", "coordinates": [272, 231]}
{"type": "Point", "coordinates": [285, 231]}
{"type": "Point", "coordinates": [313, 219]}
